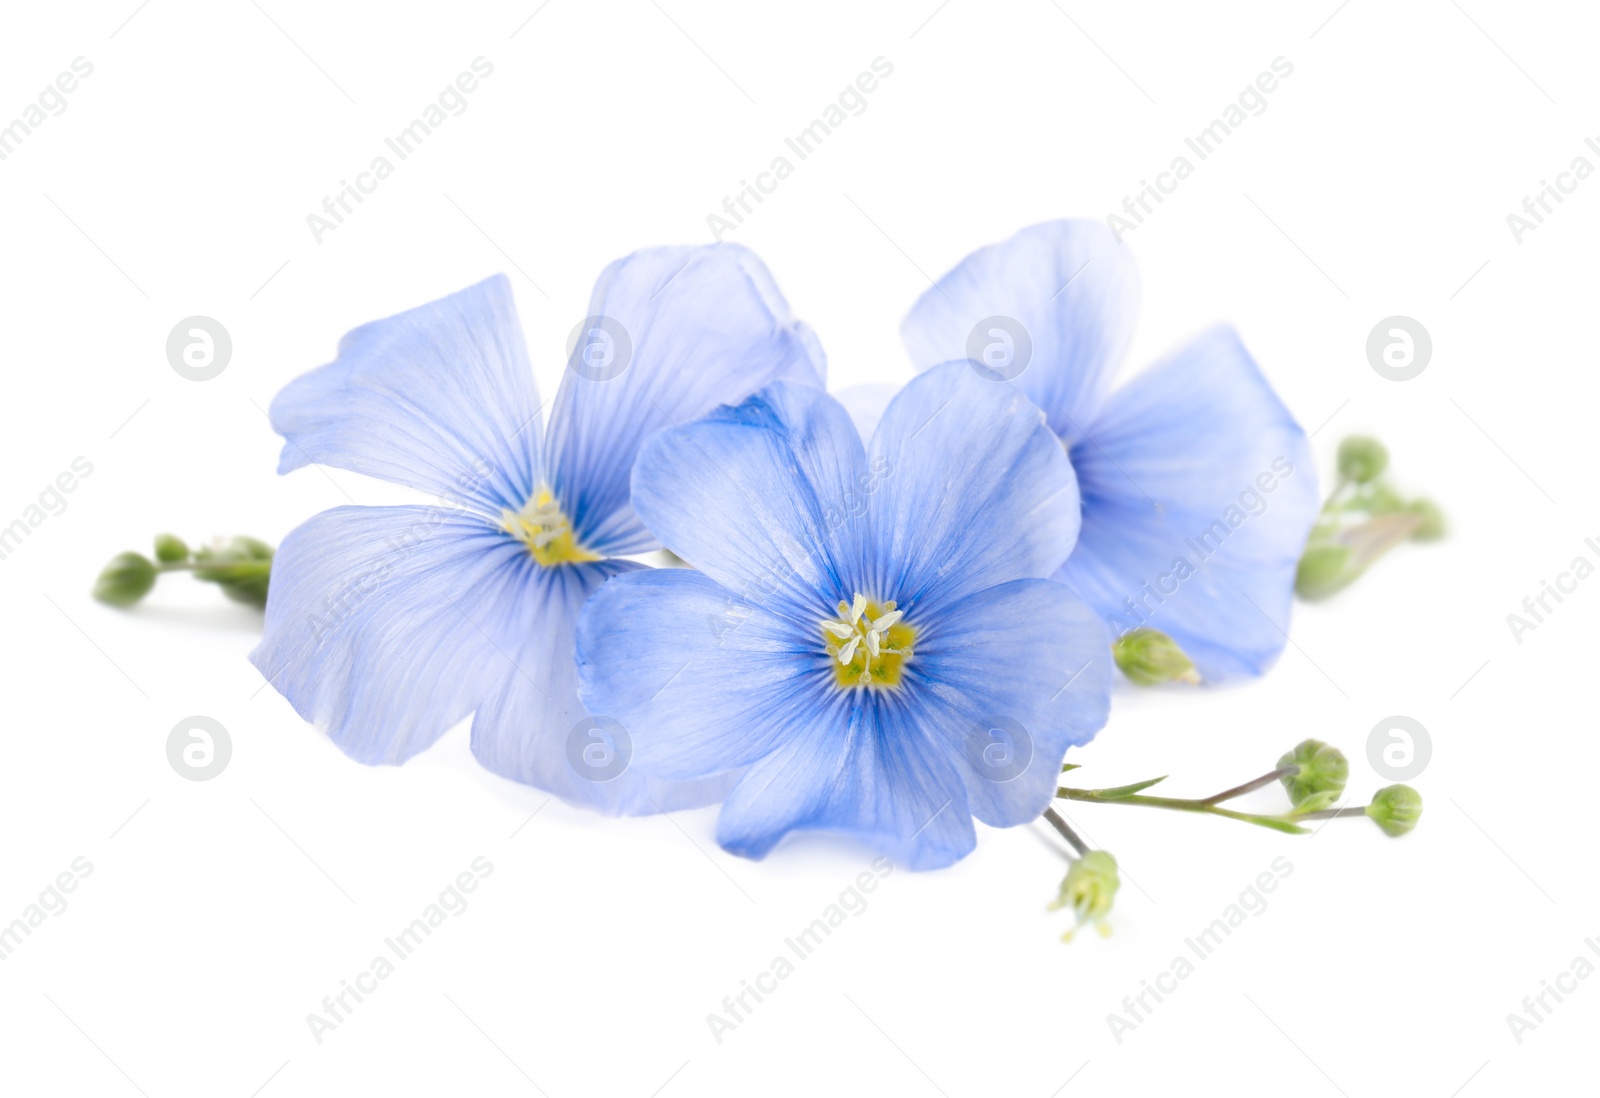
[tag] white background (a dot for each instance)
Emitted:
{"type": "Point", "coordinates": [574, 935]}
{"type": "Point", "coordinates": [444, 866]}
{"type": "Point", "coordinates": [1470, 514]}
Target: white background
{"type": "Point", "coordinates": [219, 914]}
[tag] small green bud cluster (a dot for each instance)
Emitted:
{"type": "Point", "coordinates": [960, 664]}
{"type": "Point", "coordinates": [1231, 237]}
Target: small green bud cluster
{"type": "Point", "coordinates": [1317, 779]}
{"type": "Point", "coordinates": [241, 567]}
{"type": "Point", "coordinates": [1363, 518]}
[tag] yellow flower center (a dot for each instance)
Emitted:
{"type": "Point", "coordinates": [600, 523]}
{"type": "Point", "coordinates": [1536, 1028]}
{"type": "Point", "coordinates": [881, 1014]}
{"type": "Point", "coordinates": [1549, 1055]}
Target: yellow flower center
{"type": "Point", "coordinates": [868, 643]}
{"type": "Point", "coordinates": [546, 531]}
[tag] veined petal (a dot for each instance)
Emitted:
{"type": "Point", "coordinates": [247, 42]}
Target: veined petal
{"type": "Point", "coordinates": [534, 730]}
{"type": "Point", "coordinates": [857, 764]}
{"type": "Point", "coordinates": [970, 489]}
{"type": "Point", "coordinates": [1009, 678]}
{"type": "Point", "coordinates": [673, 333]}
{"type": "Point", "coordinates": [765, 498]}
{"type": "Point", "coordinates": [704, 682]}
{"type": "Point", "coordinates": [1198, 493]}
{"type": "Point", "coordinates": [385, 626]}
{"type": "Point", "coordinates": [1052, 308]}
{"type": "Point", "coordinates": [440, 397]}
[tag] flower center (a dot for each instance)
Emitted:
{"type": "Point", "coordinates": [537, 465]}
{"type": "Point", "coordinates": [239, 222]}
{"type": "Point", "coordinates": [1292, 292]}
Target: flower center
{"type": "Point", "coordinates": [545, 530]}
{"type": "Point", "coordinates": [868, 642]}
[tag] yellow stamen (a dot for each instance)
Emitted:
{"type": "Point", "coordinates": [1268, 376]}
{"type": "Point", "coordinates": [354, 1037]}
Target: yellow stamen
{"type": "Point", "coordinates": [868, 644]}
{"type": "Point", "coordinates": [546, 531]}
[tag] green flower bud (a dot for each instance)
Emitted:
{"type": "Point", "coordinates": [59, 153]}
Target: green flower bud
{"type": "Point", "coordinates": [1362, 458]}
{"type": "Point", "coordinates": [249, 548]}
{"type": "Point", "coordinates": [1323, 771]}
{"type": "Point", "coordinates": [1088, 889]}
{"type": "Point", "coordinates": [1149, 656]}
{"type": "Point", "coordinates": [241, 567]}
{"type": "Point", "coordinates": [1379, 499]}
{"type": "Point", "coordinates": [126, 580]}
{"type": "Point", "coordinates": [170, 549]}
{"type": "Point", "coordinates": [1324, 569]}
{"type": "Point", "coordinates": [1432, 528]}
{"type": "Point", "coordinates": [1396, 809]}
{"type": "Point", "coordinates": [250, 590]}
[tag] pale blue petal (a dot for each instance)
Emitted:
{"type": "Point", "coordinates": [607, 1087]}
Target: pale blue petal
{"type": "Point", "coordinates": [859, 765]}
{"type": "Point", "coordinates": [699, 326]}
{"type": "Point", "coordinates": [703, 682]}
{"type": "Point", "coordinates": [1008, 679]}
{"type": "Point", "coordinates": [969, 489]}
{"type": "Point", "coordinates": [440, 398]}
{"type": "Point", "coordinates": [765, 498]}
{"type": "Point", "coordinates": [534, 730]}
{"type": "Point", "coordinates": [385, 626]}
{"type": "Point", "coordinates": [1073, 289]}
{"type": "Point", "coordinates": [1175, 475]}
{"type": "Point", "coordinates": [707, 686]}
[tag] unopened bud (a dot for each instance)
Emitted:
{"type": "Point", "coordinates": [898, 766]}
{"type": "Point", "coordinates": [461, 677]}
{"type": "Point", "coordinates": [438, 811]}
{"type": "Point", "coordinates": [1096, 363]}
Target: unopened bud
{"type": "Point", "coordinates": [1396, 809]}
{"type": "Point", "coordinates": [1324, 568]}
{"type": "Point", "coordinates": [1362, 458]}
{"type": "Point", "coordinates": [126, 580]}
{"type": "Point", "coordinates": [1149, 656]}
{"type": "Point", "coordinates": [170, 549]}
{"type": "Point", "coordinates": [1322, 774]}
{"type": "Point", "coordinates": [1432, 528]}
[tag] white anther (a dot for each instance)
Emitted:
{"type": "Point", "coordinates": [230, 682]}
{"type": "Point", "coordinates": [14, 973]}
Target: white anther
{"type": "Point", "coordinates": [858, 631]}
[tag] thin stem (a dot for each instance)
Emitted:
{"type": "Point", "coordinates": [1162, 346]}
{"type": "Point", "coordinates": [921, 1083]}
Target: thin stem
{"type": "Point", "coordinates": [1252, 786]}
{"type": "Point", "coordinates": [1066, 831]}
{"type": "Point", "coordinates": [238, 567]}
{"type": "Point", "coordinates": [1334, 813]}
{"type": "Point", "coordinates": [1276, 823]}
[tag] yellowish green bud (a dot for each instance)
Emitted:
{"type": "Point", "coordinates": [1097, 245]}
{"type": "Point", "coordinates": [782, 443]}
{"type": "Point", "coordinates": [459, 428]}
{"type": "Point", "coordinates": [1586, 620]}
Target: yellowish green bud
{"type": "Point", "coordinates": [1321, 777]}
{"type": "Point", "coordinates": [1432, 528]}
{"type": "Point", "coordinates": [1396, 809]}
{"type": "Point", "coordinates": [1149, 656]}
{"type": "Point", "coordinates": [1324, 568]}
{"type": "Point", "coordinates": [170, 549]}
{"type": "Point", "coordinates": [1362, 458]}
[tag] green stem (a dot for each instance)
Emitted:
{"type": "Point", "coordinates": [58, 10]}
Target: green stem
{"type": "Point", "coordinates": [1252, 786]}
{"type": "Point", "coordinates": [1177, 804]}
{"type": "Point", "coordinates": [1056, 821]}
{"type": "Point", "coordinates": [1334, 813]}
{"type": "Point", "coordinates": [240, 568]}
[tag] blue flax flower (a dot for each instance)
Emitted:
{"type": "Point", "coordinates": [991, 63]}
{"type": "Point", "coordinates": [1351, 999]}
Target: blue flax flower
{"type": "Point", "coordinates": [869, 640]}
{"type": "Point", "coordinates": [385, 626]}
{"type": "Point", "coordinates": [1198, 487]}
